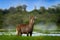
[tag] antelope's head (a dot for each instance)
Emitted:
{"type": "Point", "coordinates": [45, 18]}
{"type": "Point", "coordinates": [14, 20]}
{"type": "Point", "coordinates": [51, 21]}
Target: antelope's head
{"type": "Point", "coordinates": [32, 19]}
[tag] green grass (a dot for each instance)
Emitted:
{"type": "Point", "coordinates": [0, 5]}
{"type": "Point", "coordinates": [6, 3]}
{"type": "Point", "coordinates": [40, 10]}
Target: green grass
{"type": "Point", "coordinates": [6, 37]}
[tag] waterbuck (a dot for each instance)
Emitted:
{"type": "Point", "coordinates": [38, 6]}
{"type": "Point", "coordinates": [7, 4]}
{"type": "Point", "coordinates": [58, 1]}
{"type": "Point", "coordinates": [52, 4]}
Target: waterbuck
{"type": "Point", "coordinates": [26, 28]}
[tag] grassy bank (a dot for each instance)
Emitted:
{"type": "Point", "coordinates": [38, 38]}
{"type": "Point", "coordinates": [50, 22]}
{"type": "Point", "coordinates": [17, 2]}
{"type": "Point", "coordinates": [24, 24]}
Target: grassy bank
{"type": "Point", "coordinates": [6, 37]}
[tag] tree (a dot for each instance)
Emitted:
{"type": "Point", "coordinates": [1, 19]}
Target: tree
{"type": "Point", "coordinates": [42, 10]}
{"type": "Point", "coordinates": [1, 18]}
{"type": "Point", "coordinates": [19, 9]}
{"type": "Point", "coordinates": [12, 10]}
{"type": "Point", "coordinates": [24, 7]}
{"type": "Point", "coordinates": [52, 10]}
{"type": "Point", "coordinates": [57, 8]}
{"type": "Point", "coordinates": [58, 21]}
{"type": "Point", "coordinates": [5, 11]}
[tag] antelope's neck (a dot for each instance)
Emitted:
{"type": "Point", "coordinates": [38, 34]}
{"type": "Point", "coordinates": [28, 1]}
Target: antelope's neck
{"type": "Point", "coordinates": [31, 23]}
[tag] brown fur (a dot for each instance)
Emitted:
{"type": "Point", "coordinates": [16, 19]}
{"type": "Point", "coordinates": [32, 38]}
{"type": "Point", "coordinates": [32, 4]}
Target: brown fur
{"type": "Point", "coordinates": [26, 28]}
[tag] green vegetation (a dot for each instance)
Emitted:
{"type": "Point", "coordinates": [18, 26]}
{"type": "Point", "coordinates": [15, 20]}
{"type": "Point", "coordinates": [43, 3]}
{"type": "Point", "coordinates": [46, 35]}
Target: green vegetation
{"type": "Point", "coordinates": [13, 16]}
{"type": "Point", "coordinates": [18, 15]}
{"type": "Point", "coordinates": [6, 37]}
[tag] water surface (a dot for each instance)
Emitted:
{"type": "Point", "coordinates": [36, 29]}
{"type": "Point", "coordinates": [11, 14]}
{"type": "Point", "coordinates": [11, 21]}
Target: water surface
{"type": "Point", "coordinates": [34, 34]}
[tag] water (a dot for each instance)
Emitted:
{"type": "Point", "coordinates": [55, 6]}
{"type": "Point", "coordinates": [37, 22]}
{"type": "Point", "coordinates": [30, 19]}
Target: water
{"type": "Point", "coordinates": [34, 34]}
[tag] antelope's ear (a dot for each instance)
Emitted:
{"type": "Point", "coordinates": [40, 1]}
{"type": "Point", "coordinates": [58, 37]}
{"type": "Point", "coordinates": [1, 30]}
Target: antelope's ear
{"type": "Point", "coordinates": [31, 17]}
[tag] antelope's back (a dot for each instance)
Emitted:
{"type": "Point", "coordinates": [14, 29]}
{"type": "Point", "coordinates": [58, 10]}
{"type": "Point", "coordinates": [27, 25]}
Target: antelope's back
{"type": "Point", "coordinates": [21, 26]}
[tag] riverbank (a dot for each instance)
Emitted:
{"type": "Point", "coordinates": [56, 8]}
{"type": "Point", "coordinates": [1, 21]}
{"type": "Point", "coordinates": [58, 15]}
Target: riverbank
{"type": "Point", "coordinates": [11, 37]}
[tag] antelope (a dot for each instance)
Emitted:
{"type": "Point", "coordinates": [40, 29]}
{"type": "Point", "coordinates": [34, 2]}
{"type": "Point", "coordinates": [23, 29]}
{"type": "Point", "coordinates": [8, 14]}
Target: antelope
{"type": "Point", "coordinates": [26, 28]}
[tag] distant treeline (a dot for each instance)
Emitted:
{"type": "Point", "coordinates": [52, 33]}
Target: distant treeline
{"type": "Point", "coordinates": [19, 14]}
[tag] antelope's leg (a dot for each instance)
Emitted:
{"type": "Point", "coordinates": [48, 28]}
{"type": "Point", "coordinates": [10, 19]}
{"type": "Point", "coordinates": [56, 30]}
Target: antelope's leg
{"type": "Point", "coordinates": [17, 32]}
{"type": "Point", "coordinates": [20, 33]}
{"type": "Point", "coordinates": [27, 34]}
{"type": "Point", "coordinates": [30, 33]}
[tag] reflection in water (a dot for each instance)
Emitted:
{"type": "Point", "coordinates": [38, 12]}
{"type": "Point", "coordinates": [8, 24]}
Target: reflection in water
{"type": "Point", "coordinates": [34, 34]}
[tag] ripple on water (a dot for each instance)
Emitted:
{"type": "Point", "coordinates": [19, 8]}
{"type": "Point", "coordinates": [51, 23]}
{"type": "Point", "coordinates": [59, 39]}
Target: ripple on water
{"type": "Point", "coordinates": [34, 34]}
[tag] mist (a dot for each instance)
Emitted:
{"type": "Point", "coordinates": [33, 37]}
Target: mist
{"type": "Point", "coordinates": [48, 26]}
